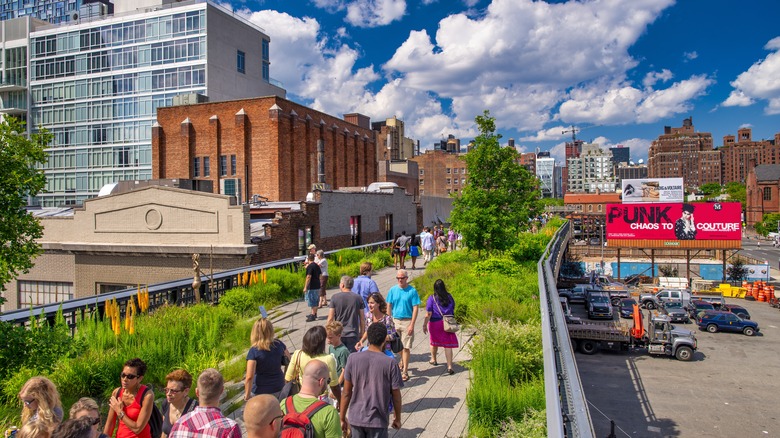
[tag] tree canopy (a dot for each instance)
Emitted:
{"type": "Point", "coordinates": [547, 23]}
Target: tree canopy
{"type": "Point", "coordinates": [20, 157]}
{"type": "Point", "coordinates": [500, 195]}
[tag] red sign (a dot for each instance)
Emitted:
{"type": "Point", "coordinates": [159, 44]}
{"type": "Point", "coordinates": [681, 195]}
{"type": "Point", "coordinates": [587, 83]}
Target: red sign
{"type": "Point", "coordinates": [699, 221]}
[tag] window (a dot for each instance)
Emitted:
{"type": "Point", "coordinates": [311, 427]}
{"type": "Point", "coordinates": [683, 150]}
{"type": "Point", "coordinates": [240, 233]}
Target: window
{"type": "Point", "coordinates": [389, 227]}
{"type": "Point", "coordinates": [422, 171]}
{"type": "Point", "coordinates": [455, 170]}
{"type": "Point", "coordinates": [223, 165]}
{"type": "Point", "coordinates": [232, 164]}
{"type": "Point", "coordinates": [449, 180]}
{"type": "Point", "coordinates": [767, 193]}
{"type": "Point", "coordinates": [354, 230]}
{"type": "Point", "coordinates": [304, 240]}
{"type": "Point", "coordinates": [196, 167]}
{"type": "Point", "coordinates": [422, 182]}
{"type": "Point", "coordinates": [456, 180]}
{"type": "Point", "coordinates": [35, 293]}
{"type": "Point", "coordinates": [241, 61]}
{"type": "Point", "coordinates": [449, 170]}
{"type": "Point", "coordinates": [206, 166]}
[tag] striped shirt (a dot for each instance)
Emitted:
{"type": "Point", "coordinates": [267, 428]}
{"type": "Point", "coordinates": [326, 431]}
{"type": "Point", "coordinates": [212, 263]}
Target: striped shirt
{"type": "Point", "coordinates": [205, 421]}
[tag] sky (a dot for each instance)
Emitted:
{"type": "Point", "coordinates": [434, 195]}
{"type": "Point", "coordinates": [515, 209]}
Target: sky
{"type": "Point", "coordinates": [617, 71]}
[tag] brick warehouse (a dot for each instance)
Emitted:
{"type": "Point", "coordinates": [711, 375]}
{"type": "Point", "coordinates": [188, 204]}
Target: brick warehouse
{"type": "Point", "coordinates": [266, 146]}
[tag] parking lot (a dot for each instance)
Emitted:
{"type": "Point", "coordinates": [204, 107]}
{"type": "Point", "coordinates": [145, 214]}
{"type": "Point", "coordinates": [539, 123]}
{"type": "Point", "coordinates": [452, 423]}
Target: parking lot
{"type": "Point", "coordinates": [730, 389]}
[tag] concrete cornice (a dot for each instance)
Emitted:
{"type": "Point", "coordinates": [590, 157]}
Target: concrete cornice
{"type": "Point", "coordinates": [139, 250]}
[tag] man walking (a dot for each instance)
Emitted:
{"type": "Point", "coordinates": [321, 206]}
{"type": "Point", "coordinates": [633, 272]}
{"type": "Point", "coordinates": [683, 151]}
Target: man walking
{"type": "Point", "coordinates": [371, 381]}
{"type": "Point", "coordinates": [263, 417]}
{"type": "Point", "coordinates": [311, 287]}
{"type": "Point", "coordinates": [325, 418]}
{"type": "Point", "coordinates": [364, 285]}
{"type": "Point", "coordinates": [207, 419]}
{"type": "Point", "coordinates": [426, 241]}
{"type": "Point", "coordinates": [403, 304]}
{"type": "Point", "coordinates": [348, 309]}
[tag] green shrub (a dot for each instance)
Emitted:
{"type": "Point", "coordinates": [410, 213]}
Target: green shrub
{"type": "Point", "coordinates": [524, 312]}
{"type": "Point", "coordinates": [494, 401]}
{"type": "Point", "coordinates": [497, 265]}
{"type": "Point", "coordinates": [533, 425]}
{"type": "Point", "coordinates": [345, 257]}
{"type": "Point", "coordinates": [529, 247]}
{"type": "Point", "coordinates": [239, 300]}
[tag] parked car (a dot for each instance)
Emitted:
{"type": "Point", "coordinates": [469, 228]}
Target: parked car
{"type": "Point", "coordinates": [627, 307]}
{"type": "Point", "coordinates": [695, 307]}
{"type": "Point", "coordinates": [715, 300]}
{"type": "Point", "coordinates": [577, 294]}
{"type": "Point", "coordinates": [727, 322]}
{"type": "Point", "coordinates": [595, 241]}
{"type": "Point", "coordinates": [676, 311]}
{"type": "Point", "coordinates": [599, 305]}
{"type": "Point", "coordinates": [651, 301]}
{"type": "Point", "coordinates": [737, 310]}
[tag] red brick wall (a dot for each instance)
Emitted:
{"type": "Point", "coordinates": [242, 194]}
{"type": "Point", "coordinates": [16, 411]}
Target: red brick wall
{"type": "Point", "coordinates": [277, 146]}
{"type": "Point", "coordinates": [281, 237]}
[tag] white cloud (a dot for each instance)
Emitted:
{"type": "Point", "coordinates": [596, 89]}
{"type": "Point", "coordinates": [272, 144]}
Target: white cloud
{"type": "Point", "coordinates": [654, 76]}
{"type": "Point", "coordinates": [373, 13]}
{"type": "Point", "coordinates": [690, 56]}
{"type": "Point", "coordinates": [745, 125]}
{"type": "Point", "coordinates": [760, 82]}
{"type": "Point", "coordinates": [329, 5]}
{"type": "Point", "coordinates": [555, 133]}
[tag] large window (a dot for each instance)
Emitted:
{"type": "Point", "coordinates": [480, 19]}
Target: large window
{"type": "Point", "coordinates": [232, 164]}
{"type": "Point", "coordinates": [767, 193]}
{"type": "Point", "coordinates": [35, 293]}
{"type": "Point", "coordinates": [241, 61]}
{"type": "Point", "coordinates": [196, 167]}
{"type": "Point", "coordinates": [223, 165]}
{"type": "Point", "coordinates": [206, 166]}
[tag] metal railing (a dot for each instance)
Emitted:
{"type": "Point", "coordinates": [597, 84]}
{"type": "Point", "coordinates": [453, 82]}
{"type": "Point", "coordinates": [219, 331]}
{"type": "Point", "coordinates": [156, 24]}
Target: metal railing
{"type": "Point", "coordinates": [567, 408]}
{"type": "Point", "coordinates": [176, 293]}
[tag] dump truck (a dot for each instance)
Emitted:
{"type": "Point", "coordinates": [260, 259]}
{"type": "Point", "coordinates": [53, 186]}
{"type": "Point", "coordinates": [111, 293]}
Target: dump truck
{"type": "Point", "coordinates": [660, 337]}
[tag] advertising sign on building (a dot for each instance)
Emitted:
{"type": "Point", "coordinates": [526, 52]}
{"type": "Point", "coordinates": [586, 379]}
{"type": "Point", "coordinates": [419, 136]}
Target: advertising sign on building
{"type": "Point", "coordinates": [653, 190]}
{"type": "Point", "coordinates": [674, 222]}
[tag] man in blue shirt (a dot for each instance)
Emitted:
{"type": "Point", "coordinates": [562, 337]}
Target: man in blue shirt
{"type": "Point", "coordinates": [363, 284]}
{"type": "Point", "coordinates": [403, 304]}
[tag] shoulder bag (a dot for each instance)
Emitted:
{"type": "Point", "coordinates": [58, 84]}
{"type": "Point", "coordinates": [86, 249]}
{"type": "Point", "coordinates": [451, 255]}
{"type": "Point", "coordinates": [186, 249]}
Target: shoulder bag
{"type": "Point", "coordinates": [450, 323]}
{"type": "Point", "coordinates": [293, 386]}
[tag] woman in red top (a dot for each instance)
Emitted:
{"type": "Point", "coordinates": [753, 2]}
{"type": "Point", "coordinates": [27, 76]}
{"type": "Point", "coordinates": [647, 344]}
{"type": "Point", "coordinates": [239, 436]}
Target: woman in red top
{"type": "Point", "coordinates": [127, 409]}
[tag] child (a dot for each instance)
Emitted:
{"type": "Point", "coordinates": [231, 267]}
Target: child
{"type": "Point", "coordinates": [337, 349]}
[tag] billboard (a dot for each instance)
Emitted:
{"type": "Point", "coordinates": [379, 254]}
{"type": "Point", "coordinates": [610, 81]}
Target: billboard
{"type": "Point", "coordinates": [678, 221]}
{"type": "Point", "coordinates": [653, 190]}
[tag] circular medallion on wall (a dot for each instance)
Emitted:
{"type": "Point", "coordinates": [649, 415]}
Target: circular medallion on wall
{"type": "Point", "coordinates": [153, 219]}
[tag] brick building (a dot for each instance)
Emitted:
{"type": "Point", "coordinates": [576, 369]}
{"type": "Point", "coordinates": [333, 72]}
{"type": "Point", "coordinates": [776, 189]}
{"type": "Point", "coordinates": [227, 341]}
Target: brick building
{"type": "Point", "coordinates": [268, 146]}
{"type": "Point", "coordinates": [762, 191]}
{"type": "Point", "coordinates": [441, 173]}
{"type": "Point", "coordinates": [739, 152]}
{"type": "Point", "coordinates": [528, 160]}
{"type": "Point", "coordinates": [684, 153]}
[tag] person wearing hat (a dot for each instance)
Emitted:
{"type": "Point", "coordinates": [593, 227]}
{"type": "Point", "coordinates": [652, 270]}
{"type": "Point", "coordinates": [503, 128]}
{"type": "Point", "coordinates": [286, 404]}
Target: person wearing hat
{"type": "Point", "coordinates": [684, 228]}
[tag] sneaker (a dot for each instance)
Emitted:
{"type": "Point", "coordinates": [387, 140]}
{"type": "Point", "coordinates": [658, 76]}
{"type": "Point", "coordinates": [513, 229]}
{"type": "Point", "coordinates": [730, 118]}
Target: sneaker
{"type": "Point", "coordinates": [310, 318]}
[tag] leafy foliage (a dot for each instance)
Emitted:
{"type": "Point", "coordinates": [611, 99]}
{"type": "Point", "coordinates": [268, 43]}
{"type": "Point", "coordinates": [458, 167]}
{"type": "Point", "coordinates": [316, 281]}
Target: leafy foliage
{"type": "Point", "coordinates": [500, 196]}
{"type": "Point", "coordinates": [20, 158]}
{"type": "Point", "coordinates": [768, 224]}
{"type": "Point", "coordinates": [737, 271]}
{"type": "Point", "coordinates": [710, 189]}
{"type": "Point", "coordinates": [668, 270]}
{"type": "Point", "coordinates": [737, 193]}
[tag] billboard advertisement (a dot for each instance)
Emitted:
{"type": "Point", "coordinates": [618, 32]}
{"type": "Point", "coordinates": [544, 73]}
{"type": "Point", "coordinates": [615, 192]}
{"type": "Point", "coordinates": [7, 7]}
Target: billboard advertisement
{"type": "Point", "coordinates": [653, 190]}
{"type": "Point", "coordinates": [678, 221]}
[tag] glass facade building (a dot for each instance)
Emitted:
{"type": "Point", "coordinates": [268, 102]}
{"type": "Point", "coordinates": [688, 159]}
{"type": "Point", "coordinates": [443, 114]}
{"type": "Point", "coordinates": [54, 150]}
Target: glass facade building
{"type": "Point", "coordinates": [96, 87]}
{"type": "Point", "coordinates": [53, 11]}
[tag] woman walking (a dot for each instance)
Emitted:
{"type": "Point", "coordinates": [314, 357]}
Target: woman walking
{"type": "Point", "coordinates": [264, 361]}
{"type": "Point", "coordinates": [177, 399]}
{"type": "Point", "coordinates": [377, 312]}
{"type": "Point", "coordinates": [130, 404]}
{"type": "Point", "coordinates": [322, 261]}
{"type": "Point", "coordinates": [439, 304]}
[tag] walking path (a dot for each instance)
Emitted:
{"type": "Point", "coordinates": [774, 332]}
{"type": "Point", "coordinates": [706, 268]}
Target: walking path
{"type": "Point", "coordinates": [434, 403]}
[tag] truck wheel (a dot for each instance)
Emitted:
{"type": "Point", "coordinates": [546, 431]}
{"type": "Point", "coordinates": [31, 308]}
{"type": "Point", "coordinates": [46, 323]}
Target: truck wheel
{"type": "Point", "coordinates": [748, 331]}
{"type": "Point", "coordinates": [588, 347]}
{"type": "Point", "coordinates": [684, 354]}
{"type": "Point", "coordinates": [650, 305]}
{"type": "Point", "coordinates": [712, 328]}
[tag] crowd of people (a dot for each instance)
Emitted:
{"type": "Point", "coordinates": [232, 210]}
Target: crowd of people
{"type": "Point", "coordinates": [345, 380]}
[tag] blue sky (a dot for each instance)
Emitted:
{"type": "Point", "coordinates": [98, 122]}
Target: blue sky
{"type": "Point", "coordinates": [618, 70]}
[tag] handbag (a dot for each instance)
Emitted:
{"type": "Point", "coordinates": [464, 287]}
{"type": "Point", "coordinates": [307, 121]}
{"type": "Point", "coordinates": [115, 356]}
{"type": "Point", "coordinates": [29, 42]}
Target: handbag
{"type": "Point", "coordinates": [293, 386]}
{"type": "Point", "coordinates": [395, 343]}
{"type": "Point", "coordinates": [450, 323]}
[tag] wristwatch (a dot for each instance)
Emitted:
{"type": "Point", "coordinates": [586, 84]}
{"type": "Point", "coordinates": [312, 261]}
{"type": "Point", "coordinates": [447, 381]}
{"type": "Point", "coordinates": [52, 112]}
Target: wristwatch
{"type": "Point", "coordinates": [121, 415]}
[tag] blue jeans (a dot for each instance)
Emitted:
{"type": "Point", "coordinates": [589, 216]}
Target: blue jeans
{"type": "Point", "coordinates": [313, 297]}
{"type": "Point", "coordinates": [368, 432]}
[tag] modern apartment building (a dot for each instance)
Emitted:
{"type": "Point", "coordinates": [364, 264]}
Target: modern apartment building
{"type": "Point", "coordinates": [545, 171]}
{"type": "Point", "coordinates": [684, 153]}
{"type": "Point", "coordinates": [54, 11]}
{"type": "Point", "coordinates": [628, 171]}
{"type": "Point", "coordinates": [620, 154]}
{"type": "Point", "coordinates": [96, 85]}
{"type": "Point", "coordinates": [739, 154]}
{"type": "Point", "coordinates": [592, 171]}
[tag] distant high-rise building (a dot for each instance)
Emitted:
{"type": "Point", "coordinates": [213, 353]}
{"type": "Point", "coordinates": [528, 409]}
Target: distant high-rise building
{"type": "Point", "coordinates": [55, 11]}
{"type": "Point", "coordinates": [393, 145]}
{"type": "Point", "coordinates": [620, 154]}
{"type": "Point", "coordinates": [451, 145]}
{"type": "Point", "coordinates": [528, 160]}
{"type": "Point", "coordinates": [573, 149]}
{"type": "Point", "coordinates": [545, 171]}
{"type": "Point", "coordinates": [636, 171]}
{"type": "Point", "coordinates": [684, 153]}
{"type": "Point", "coordinates": [96, 85]}
{"type": "Point", "coordinates": [592, 171]}
{"type": "Point", "coordinates": [738, 154]}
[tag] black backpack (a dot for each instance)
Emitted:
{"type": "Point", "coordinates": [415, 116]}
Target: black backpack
{"type": "Point", "coordinates": [298, 424]}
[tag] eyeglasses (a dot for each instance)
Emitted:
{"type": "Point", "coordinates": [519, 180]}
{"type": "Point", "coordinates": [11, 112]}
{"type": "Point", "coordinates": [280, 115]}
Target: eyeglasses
{"type": "Point", "coordinates": [128, 376]}
{"type": "Point", "coordinates": [328, 382]}
{"type": "Point", "coordinates": [273, 420]}
{"type": "Point", "coordinates": [401, 278]}
{"type": "Point", "coordinates": [28, 402]}
{"type": "Point", "coordinates": [173, 391]}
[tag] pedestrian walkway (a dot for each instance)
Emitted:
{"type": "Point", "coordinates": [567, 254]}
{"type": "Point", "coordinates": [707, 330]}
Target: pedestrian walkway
{"type": "Point", "coordinates": [434, 403]}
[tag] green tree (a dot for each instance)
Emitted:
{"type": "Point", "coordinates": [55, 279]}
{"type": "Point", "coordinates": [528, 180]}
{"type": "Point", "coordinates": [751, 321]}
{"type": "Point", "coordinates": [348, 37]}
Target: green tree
{"type": "Point", "coordinates": [20, 158]}
{"type": "Point", "coordinates": [710, 189]}
{"type": "Point", "coordinates": [737, 193]}
{"type": "Point", "coordinates": [768, 224]}
{"type": "Point", "coordinates": [500, 195]}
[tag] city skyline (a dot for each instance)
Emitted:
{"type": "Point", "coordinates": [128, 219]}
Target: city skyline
{"type": "Point", "coordinates": [633, 67]}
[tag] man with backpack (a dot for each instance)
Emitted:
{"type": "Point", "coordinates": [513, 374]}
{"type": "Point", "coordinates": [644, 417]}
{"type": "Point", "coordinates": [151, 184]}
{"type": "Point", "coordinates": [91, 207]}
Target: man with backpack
{"type": "Point", "coordinates": [306, 415]}
{"type": "Point", "coordinates": [207, 419]}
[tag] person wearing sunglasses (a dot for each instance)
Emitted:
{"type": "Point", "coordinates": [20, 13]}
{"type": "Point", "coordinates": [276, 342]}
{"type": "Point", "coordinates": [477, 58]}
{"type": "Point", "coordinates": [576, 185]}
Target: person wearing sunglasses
{"type": "Point", "coordinates": [263, 417]}
{"type": "Point", "coordinates": [403, 304]}
{"type": "Point", "coordinates": [41, 403]}
{"type": "Point", "coordinates": [86, 407]}
{"type": "Point", "coordinates": [177, 399]}
{"type": "Point", "coordinates": [314, 383]}
{"type": "Point", "coordinates": [131, 404]}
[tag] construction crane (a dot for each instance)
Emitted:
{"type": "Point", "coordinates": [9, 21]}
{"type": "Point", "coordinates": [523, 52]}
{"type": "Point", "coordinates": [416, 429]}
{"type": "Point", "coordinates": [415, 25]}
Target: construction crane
{"type": "Point", "coordinates": [573, 131]}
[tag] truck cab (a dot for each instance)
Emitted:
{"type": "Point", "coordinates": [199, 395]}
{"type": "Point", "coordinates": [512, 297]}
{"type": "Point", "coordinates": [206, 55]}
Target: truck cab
{"type": "Point", "coordinates": [653, 301]}
{"type": "Point", "coordinates": [665, 339]}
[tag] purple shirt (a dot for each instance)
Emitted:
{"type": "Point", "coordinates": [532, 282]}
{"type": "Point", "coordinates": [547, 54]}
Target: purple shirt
{"type": "Point", "coordinates": [436, 315]}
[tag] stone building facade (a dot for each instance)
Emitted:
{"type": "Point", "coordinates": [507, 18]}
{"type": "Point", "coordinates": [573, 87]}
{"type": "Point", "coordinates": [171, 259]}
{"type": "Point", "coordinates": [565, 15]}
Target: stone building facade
{"type": "Point", "coordinates": [762, 191]}
{"type": "Point", "coordinates": [684, 153]}
{"type": "Point", "coordinates": [441, 173]}
{"type": "Point", "coordinates": [739, 152]}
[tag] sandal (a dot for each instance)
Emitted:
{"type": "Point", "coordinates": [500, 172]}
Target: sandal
{"type": "Point", "coordinates": [433, 362]}
{"type": "Point", "coordinates": [450, 371]}
{"type": "Point", "coordinates": [405, 376]}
